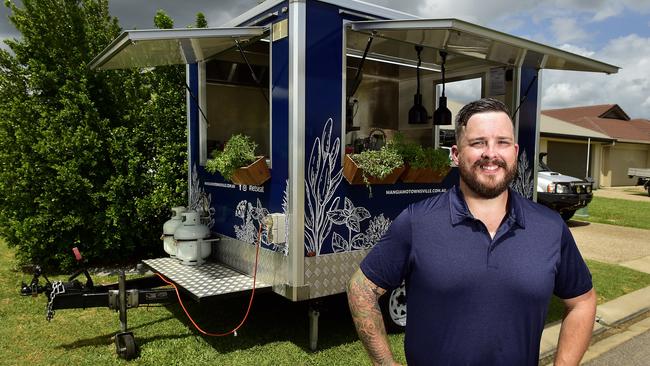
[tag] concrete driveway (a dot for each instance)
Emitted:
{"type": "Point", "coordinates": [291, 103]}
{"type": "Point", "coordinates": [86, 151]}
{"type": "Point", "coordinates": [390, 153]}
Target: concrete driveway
{"type": "Point", "coordinates": [629, 247]}
{"type": "Point", "coordinates": [609, 243]}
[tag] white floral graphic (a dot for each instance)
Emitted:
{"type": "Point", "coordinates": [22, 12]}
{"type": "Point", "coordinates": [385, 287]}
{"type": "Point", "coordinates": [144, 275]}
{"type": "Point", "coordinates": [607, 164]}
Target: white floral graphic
{"type": "Point", "coordinates": [377, 228]}
{"type": "Point", "coordinates": [320, 186]}
{"type": "Point", "coordinates": [523, 182]}
{"type": "Point", "coordinates": [199, 201]}
{"type": "Point", "coordinates": [352, 217]}
{"type": "Point", "coordinates": [253, 217]}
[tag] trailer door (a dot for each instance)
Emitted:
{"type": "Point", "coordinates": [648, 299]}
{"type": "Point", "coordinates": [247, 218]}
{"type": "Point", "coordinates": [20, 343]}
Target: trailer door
{"type": "Point", "coordinates": [157, 47]}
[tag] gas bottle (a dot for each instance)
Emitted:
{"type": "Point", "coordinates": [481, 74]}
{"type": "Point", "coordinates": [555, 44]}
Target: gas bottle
{"type": "Point", "coordinates": [191, 240]}
{"type": "Point", "coordinates": [169, 228]}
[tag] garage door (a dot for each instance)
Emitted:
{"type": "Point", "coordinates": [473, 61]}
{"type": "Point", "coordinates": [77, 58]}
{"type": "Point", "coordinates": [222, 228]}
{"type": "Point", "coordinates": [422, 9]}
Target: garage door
{"type": "Point", "coordinates": [621, 159]}
{"type": "Point", "coordinates": [567, 158]}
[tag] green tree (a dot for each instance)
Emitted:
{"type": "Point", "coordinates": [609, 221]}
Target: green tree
{"type": "Point", "coordinates": [87, 158]}
{"type": "Point", "coordinates": [201, 22]}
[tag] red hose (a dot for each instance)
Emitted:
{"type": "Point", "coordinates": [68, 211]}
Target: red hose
{"type": "Point", "coordinates": [250, 302]}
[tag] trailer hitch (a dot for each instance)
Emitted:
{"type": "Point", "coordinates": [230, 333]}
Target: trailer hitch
{"type": "Point", "coordinates": [120, 296]}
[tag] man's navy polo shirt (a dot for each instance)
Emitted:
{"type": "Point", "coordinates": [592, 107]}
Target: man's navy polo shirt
{"type": "Point", "coordinates": [474, 300]}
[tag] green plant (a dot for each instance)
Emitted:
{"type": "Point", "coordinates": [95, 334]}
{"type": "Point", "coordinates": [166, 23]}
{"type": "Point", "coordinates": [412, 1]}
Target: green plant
{"type": "Point", "coordinates": [238, 152]}
{"type": "Point", "coordinates": [378, 163]}
{"type": "Point", "coordinates": [435, 159]}
{"type": "Point", "coordinates": [417, 156]}
{"type": "Point", "coordinates": [88, 158]}
{"type": "Point", "coordinates": [408, 150]}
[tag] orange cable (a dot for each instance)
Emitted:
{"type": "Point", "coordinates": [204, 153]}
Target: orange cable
{"type": "Point", "coordinates": [250, 302]}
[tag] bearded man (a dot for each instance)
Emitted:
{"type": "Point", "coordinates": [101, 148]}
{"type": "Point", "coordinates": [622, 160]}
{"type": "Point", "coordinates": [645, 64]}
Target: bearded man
{"type": "Point", "coordinates": [480, 264]}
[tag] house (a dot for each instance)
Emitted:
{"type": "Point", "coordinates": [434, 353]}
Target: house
{"type": "Point", "coordinates": [599, 141]}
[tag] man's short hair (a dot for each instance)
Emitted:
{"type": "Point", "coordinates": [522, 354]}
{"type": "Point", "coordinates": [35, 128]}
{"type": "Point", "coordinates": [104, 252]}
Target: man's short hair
{"type": "Point", "coordinates": [478, 106]}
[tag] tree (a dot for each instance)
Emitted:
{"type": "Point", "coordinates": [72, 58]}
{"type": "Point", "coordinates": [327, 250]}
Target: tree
{"type": "Point", "coordinates": [201, 22]}
{"type": "Point", "coordinates": [87, 158]}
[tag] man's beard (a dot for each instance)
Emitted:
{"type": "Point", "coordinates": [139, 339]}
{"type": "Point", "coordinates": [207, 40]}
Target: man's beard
{"type": "Point", "coordinates": [470, 176]}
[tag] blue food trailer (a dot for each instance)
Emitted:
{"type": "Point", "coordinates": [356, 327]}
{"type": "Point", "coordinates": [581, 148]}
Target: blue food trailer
{"type": "Point", "coordinates": [309, 81]}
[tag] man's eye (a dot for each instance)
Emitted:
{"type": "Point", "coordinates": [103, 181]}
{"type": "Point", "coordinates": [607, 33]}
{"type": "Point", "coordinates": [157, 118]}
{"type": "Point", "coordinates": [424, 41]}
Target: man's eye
{"type": "Point", "coordinates": [477, 143]}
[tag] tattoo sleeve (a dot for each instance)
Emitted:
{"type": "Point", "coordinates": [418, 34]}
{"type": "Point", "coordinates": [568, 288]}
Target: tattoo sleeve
{"type": "Point", "coordinates": [363, 296]}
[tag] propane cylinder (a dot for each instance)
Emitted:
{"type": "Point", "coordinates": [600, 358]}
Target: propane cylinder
{"type": "Point", "coordinates": [191, 240]}
{"type": "Point", "coordinates": [169, 228]}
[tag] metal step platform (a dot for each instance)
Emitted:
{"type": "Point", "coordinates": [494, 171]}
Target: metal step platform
{"type": "Point", "coordinates": [207, 280]}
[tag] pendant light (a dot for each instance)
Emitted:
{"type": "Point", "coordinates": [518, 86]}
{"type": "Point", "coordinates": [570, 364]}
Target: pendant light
{"type": "Point", "coordinates": [442, 115]}
{"type": "Point", "coordinates": [418, 114]}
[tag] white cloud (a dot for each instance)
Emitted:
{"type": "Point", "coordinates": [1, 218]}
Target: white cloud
{"type": "Point", "coordinates": [567, 30]}
{"type": "Point", "coordinates": [577, 50]}
{"type": "Point", "coordinates": [629, 88]}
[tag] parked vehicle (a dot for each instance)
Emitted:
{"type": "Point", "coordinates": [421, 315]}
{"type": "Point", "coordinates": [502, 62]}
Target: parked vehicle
{"type": "Point", "coordinates": [562, 193]}
{"type": "Point", "coordinates": [643, 176]}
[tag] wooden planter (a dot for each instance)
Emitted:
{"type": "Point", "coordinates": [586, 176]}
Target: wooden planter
{"type": "Point", "coordinates": [255, 174]}
{"type": "Point", "coordinates": [354, 175]}
{"type": "Point", "coordinates": [424, 175]}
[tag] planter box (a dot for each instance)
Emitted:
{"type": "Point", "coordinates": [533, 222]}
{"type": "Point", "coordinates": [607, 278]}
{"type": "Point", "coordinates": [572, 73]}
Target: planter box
{"type": "Point", "coordinates": [255, 174]}
{"type": "Point", "coordinates": [354, 175]}
{"type": "Point", "coordinates": [424, 175]}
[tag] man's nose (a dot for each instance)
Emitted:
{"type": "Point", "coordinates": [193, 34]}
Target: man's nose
{"type": "Point", "coordinates": [489, 151]}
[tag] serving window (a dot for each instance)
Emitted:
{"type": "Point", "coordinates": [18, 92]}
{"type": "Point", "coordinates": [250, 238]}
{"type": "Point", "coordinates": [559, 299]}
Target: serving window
{"type": "Point", "coordinates": [235, 98]}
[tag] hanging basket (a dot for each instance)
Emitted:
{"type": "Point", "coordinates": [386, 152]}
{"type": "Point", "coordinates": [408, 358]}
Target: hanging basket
{"type": "Point", "coordinates": [424, 175]}
{"type": "Point", "coordinates": [254, 174]}
{"type": "Point", "coordinates": [354, 175]}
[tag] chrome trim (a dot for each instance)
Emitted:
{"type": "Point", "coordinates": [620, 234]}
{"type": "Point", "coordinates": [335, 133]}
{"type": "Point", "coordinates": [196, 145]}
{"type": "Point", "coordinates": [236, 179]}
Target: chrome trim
{"type": "Point", "coordinates": [188, 99]}
{"type": "Point", "coordinates": [253, 12]}
{"type": "Point", "coordinates": [297, 44]}
{"type": "Point", "coordinates": [356, 14]}
{"type": "Point", "coordinates": [203, 123]}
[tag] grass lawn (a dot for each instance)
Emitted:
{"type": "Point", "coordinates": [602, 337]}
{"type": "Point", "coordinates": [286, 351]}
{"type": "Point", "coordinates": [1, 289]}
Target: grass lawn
{"type": "Point", "coordinates": [618, 212]}
{"type": "Point", "coordinates": [275, 334]}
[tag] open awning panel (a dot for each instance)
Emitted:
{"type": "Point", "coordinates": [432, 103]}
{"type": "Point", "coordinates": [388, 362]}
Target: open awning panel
{"type": "Point", "coordinates": [464, 42]}
{"type": "Point", "coordinates": [146, 48]}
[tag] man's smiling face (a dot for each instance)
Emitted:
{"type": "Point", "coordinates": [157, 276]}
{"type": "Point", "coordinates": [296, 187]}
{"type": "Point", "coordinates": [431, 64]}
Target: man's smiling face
{"type": "Point", "coordinates": [486, 154]}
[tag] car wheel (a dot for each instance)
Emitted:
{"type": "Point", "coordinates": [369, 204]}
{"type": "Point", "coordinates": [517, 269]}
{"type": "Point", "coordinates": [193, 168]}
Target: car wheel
{"type": "Point", "coordinates": [393, 309]}
{"type": "Point", "coordinates": [567, 215]}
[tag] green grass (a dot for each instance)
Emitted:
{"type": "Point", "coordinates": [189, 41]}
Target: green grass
{"type": "Point", "coordinates": [618, 212]}
{"type": "Point", "coordinates": [610, 281]}
{"type": "Point", "coordinates": [275, 334]}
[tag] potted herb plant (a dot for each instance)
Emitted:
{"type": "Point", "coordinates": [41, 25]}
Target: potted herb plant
{"type": "Point", "coordinates": [383, 166]}
{"type": "Point", "coordinates": [238, 162]}
{"type": "Point", "coordinates": [423, 165]}
{"type": "Point", "coordinates": [430, 166]}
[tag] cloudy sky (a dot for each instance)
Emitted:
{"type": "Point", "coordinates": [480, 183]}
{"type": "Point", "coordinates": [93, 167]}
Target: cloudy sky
{"type": "Point", "coordinates": [612, 31]}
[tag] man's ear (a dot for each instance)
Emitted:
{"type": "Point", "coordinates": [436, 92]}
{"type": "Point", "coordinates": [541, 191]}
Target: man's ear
{"type": "Point", "coordinates": [517, 150]}
{"type": "Point", "coordinates": [454, 154]}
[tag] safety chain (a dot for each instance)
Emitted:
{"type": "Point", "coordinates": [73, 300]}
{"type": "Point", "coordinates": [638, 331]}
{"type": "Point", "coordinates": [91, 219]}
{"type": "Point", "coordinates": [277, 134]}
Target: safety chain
{"type": "Point", "coordinates": [57, 288]}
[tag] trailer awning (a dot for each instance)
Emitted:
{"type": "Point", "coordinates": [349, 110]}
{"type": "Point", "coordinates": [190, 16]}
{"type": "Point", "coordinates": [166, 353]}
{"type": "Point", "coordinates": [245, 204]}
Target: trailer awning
{"type": "Point", "coordinates": [466, 43]}
{"type": "Point", "coordinates": [146, 48]}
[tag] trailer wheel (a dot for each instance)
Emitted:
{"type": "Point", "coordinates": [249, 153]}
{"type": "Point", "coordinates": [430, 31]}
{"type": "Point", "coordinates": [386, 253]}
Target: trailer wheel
{"type": "Point", "coordinates": [393, 309]}
{"type": "Point", "coordinates": [125, 345]}
{"type": "Point", "coordinates": [567, 215]}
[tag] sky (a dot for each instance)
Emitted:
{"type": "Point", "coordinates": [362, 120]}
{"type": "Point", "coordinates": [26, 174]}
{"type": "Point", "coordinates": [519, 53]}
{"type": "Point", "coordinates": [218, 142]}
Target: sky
{"type": "Point", "coordinates": [613, 31]}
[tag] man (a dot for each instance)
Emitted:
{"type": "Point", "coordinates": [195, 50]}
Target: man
{"type": "Point", "coordinates": [480, 264]}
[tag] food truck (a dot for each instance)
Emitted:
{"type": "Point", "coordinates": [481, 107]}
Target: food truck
{"type": "Point", "coordinates": [311, 81]}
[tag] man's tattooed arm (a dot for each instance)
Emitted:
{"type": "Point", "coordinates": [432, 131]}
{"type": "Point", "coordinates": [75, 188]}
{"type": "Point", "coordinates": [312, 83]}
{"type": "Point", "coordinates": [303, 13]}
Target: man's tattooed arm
{"type": "Point", "coordinates": [363, 296]}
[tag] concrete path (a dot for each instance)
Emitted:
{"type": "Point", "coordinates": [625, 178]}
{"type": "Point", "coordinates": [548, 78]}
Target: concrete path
{"type": "Point", "coordinates": [609, 243]}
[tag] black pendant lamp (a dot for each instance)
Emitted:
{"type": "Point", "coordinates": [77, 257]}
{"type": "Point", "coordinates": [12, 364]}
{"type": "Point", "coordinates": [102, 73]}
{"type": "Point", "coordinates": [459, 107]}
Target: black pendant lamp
{"type": "Point", "coordinates": [442, 115]}
{"type": "Point", "coordinates": [418, 114]}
